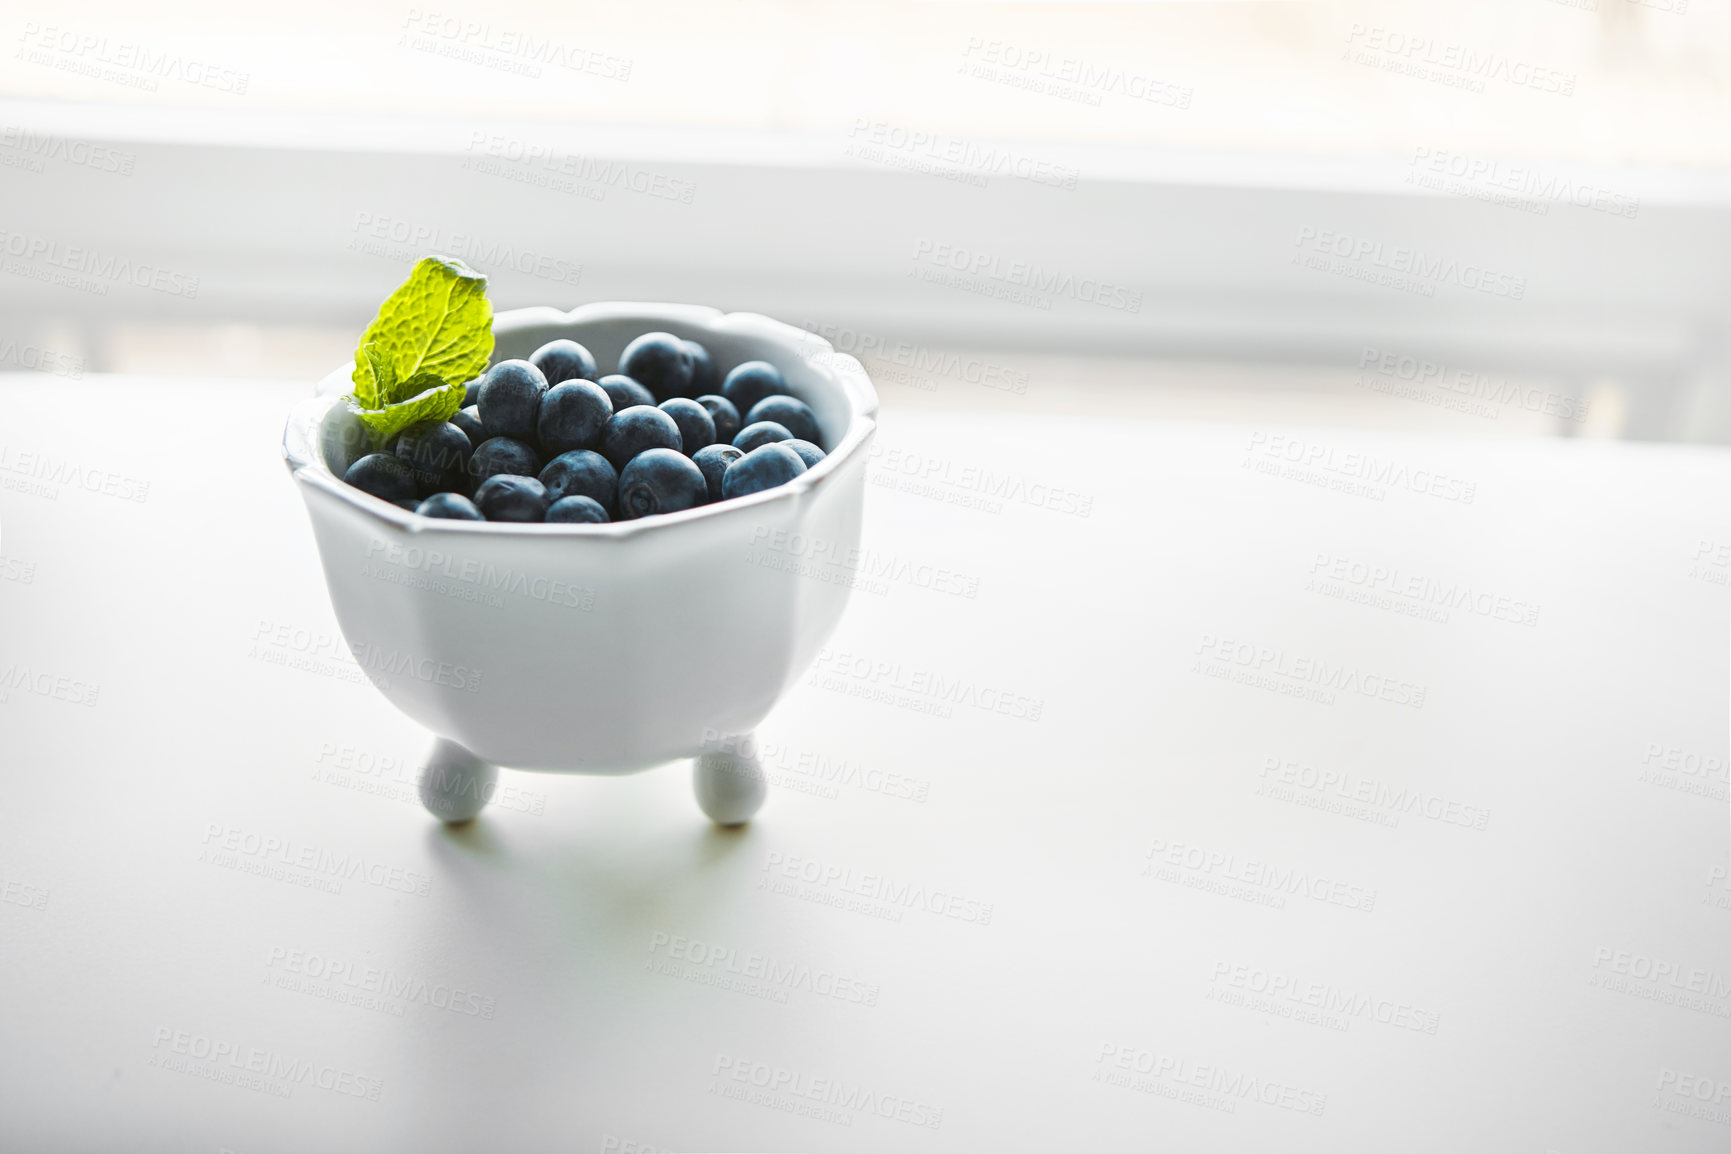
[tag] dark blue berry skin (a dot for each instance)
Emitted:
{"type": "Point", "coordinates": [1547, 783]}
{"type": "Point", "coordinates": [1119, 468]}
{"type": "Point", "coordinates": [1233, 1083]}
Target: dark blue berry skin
{"type": "Point", "coordinates": [712, 461]}
{"type": "Point", "coordinates": [469, 420]}
{"type": "Point", "coordinates": [808, 452]}
{"type": "Point", "coordinates": [725, 416]}
{"type": "Point", "coordinates": [572, 414]}
{"type": "Point", "coordinates": [563, 360]}
{"type": "Point", "coordinates": [750, 382]}
{"type": "Point", "coordinates": [450, 506]}
{"type": "Point", "coordinates": [498, 456]}
{"type": "Point", "coordinates": [437, 453]}
{"type": "Point", "coordinates": [790, 413]}
{"type": "Point", "coordinates": [581, 474]}
{"type": "Point", "coordinates": [382, 475]}
{"type": "Point", "coordinates": [696, 428]}
{"type": "Point", "coordinates": [659, 362]}
{"type": "Point", "coordinates": [625, 392]}
{"type": "Point", "coordinates": [640, 427]}
{"type": "Point", "coordinates": [762, 433]}
{"type": "Point", "coordinates": [410, 504]}
{"type": "Point", "coordinates": [705, 377]}
{"type": "Point", "coordinates": [509, 498]}
{"type": "Point", "coordinates": [660, 481]}
{"type": "Point", "coordinates": [762, 468]}
{"type": "Point", "coordinates": [472, 393]}
{"type": "Point", "coordinates": [510, 399]}
{"type": "Point", "coordinates": [576, 511]}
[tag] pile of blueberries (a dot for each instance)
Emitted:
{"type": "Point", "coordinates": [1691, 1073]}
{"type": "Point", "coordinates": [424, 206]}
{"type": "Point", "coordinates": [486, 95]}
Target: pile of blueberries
{"type": "Point", "coordinates": [546, 440]}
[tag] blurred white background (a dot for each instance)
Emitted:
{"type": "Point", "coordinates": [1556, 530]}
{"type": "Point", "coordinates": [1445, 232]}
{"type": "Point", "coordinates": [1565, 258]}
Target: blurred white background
{"type": "Point", "coordinates": [1508, 217]}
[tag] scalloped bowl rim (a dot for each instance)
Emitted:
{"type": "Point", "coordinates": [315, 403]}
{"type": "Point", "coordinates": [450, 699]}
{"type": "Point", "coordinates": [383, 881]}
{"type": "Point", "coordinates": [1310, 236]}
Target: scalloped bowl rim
{"type": "Point", "coordinates": [306, 462]}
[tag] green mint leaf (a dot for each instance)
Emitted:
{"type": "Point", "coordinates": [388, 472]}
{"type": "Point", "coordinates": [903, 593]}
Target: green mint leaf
{"type": "Point", "coordinates": [436, 401]}
{"type": "Point", "coordinates": [439, 321]}
{"type": "Point", "coordinates": [372, 377]}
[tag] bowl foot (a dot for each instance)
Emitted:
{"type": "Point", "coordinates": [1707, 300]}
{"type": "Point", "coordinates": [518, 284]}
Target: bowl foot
{"type": "Point", "coordinates": [455, 784]}
{"type": "Point", "coordinates": [730, 786]}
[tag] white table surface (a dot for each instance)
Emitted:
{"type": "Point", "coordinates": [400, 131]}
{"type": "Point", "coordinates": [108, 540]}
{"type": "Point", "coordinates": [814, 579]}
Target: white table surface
{"type": "Point", "coordinates": [1122, 914]}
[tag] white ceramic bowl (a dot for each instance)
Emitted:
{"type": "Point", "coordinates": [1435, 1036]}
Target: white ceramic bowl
{"type": "Point", "coordinates": [593, 648]}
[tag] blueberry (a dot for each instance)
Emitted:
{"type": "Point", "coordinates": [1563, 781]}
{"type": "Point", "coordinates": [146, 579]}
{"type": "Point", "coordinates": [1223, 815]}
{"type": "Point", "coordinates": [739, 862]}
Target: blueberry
{"type": "Point", "coordinates": [725, 416]}
{"type": "Point", "coordinates": [451, 506]}
{"type": "Point", "coordinates": [472, 393]}
{"type": "Point", "coordinates": [571, 417]}
{"type": "Point", "coordinates": [576, 511]}
{"type": "Point", "coordinates": [696, 428]}
{"type": "Point", "coordinates": [563, 360]}
{"type": "Point", "coordinates": [712, 461]}
{"type": "Point", "coordinates": [749, 383]}
{"type": "Point", "coordinates": [790, 413]}
{"type": "Point", "coordinates": [469, 420]}
{"type": "Point", "coordinates": [705, 377]}
{"type": "Point", "coordinates": [503, 455]}
{"type": "Point", "coordinates": [625, 392]}
{"type": "Point", "coordinates": [581, 474]}
{"type": "Point", "coordinates": [437, 453]}
{"type": "Point", "coordinates": [763, 468]}
{"type": "Point", "coordinates": [640, 427]}
{"type": "Point", "coordinates": [762, 433]}
{"type": "Point", "coordinates": [382, 475]}
{"type": "Point", "coordinates": [408, 503]}
{"type": "Point", "coordinates": [661, 363]}
{"type": "Point", "coordinates": [511, 498]}
{"type": "Point", "coordinates": [510, 398]}
{"type": "Point", "coordinates": [660, 481]}
{"type": "Point", "coordinates": [808, 452]}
